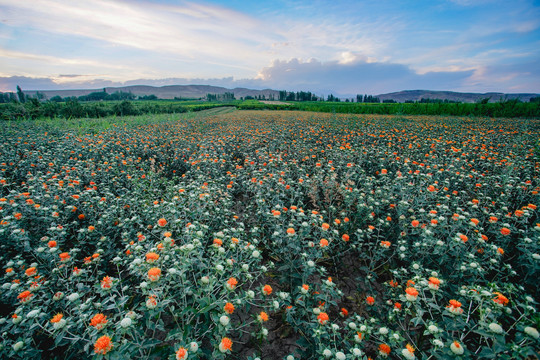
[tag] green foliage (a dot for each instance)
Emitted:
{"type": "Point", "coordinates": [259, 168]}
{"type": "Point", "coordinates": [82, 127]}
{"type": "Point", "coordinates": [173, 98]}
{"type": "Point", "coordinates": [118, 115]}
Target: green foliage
{"type": "Point", "coordinates": [73, 107]}
{"type": "Point", "coordinates": [355, 235]}
{"type": "Point", "coordinates": [20, 95]}
{"type": "Point", "coordinates": [225, 97]}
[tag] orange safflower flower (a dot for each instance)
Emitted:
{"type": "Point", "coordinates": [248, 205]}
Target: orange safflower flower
{"type": "Point", "coordinates": [290, 231]}
{"type": "Point", "coordinates": [434, 283]}
{"type": "Point", "coordinates": [154, 274]}
{"type": "Point", "coordinates": [454, 307]}
{"type": "Point", "coordinates": [103, 345]}
{"type": "Point", "coordinates": [106, 282]}
{"type": "Point", "coordinates": [231, 283]}
{"type": "Point", "coordinates": [345, 237]}
{"type": "Point", "coordinates": [267, 289]}
{"type": "Point", "coordinates": [384, 349]}
{"type": "Point", "coordinates": [411, 293]}
{"type": "Point", "coordinates": [64, 256]}
{"type": "Point", "coordinates": [56, 318]}
{"type": "Point", "coordinates": [25, 296]}
{"type": "Point", "coordinates": [262, 316]}
{"type": "Point", "coordinates": [228, 308]}
{"type": "Point", "coordinates": [151, 257]}
{"type": "Point", "coordinates": [415, 223]}
{"type": "Point", "coordinates": [323, 318]}
{"type": "Point", "coordinates": [98, 321]}
{"type": "Point", "coordinates": [225, 345]}
{"type": "Point", "coordinates": [181, 354]}
{"type": "Point", "coordinates": [501, 299]}
{"type": "Point", "coordinates": [410, 348]}
{"type": "Point", "coordinates": [162, 222]}
{"type": "Point", "coordinates": [370, 300]}
{"type": "Point", "coordinates": [323, 243]}
{"type": "Point", "coordinates": [505, 231]}
{"type": "Point", "coordinates": [30, 271]}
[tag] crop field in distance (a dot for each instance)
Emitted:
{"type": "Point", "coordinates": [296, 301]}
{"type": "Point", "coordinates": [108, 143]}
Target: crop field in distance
{"type": "Point", "coordinates": [232, 234]}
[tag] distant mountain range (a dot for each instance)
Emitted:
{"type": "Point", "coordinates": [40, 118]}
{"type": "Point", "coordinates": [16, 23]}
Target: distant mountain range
{"type": "Point", "coordinates": [417, 95]}
{"type": "Point", "coordinates": [163, 92]}
{"type": "Point", "coordinates": [200, 91]}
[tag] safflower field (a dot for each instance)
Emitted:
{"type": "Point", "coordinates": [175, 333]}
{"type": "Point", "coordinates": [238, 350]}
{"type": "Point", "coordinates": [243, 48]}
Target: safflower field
{"type": "Point", "coordinates": [270, 235]}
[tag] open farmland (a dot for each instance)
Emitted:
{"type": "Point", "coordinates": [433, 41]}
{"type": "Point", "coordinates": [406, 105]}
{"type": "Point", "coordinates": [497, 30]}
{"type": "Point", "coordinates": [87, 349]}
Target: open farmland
{"type": "Point", "coordinates": [278, 235]}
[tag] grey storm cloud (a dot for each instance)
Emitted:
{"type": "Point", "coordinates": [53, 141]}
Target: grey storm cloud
{"type": "Point", "coordinates": [358, 76]}
{"type": "Point", "coordinates": [342, 79]}
{"type": "Point", "coordinates": [30, 83]}
{"type": "Point", "coordinates": [10, 83]}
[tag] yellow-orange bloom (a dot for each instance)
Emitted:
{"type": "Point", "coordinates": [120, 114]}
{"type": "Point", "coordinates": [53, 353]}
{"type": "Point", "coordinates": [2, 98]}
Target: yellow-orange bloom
{"type": "Point", "coordinates": [454, 307]}
{"type": "Point", "coordinates": [267, 289]}
{"type": "Point", "coordinates": [411, 293]}
{"type": "Point", "coordinates": [501, 299]}
{"type": "Point", "coordinates": [106, 283]}
{"type": "Point", "coordinates": [154, 274]}
{"type": "Point", "coordinates": [25, 296]}
{"type": "Point", "coordinates": [323, 318]}
{"type": "Point", "coordinates": [263, 316]}
{"type": "Point", "coordinates": [225, 345]}
{"type": "Point", "coordinates": [384, 350]}
{"type": "Point", "coordinates": [434, 283]}
{"type": "Point", "coordinates": [181, 354]}
{"type": "Point", "coordinates": [56, 318]}
{"type": "Point", "coordinates": [228, 308]}
{"type": "Point", "coordinates": [98, 321]}
{"type": "Point", "coordinates": [103, 345]}
{"type": "Point", "coordinates": [370, 300]}
{"type": "Point", "coordinates": [151, 257]}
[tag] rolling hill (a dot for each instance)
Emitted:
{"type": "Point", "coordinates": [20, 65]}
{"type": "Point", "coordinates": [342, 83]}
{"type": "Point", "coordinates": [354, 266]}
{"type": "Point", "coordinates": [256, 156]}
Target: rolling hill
{"type": "Point", "coordinates": [200, 91]}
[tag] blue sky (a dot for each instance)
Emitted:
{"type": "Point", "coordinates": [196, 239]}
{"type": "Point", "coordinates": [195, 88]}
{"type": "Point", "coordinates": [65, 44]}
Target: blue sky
{"type": "Point", "coordinates": [343, 47]}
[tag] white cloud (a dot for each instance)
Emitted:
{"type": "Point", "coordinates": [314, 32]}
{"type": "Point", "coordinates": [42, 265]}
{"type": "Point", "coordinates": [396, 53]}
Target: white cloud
{"type": "Point", "coordinates": [190, 31]}
{"type": "Point", "coordinates": [356, 75]}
